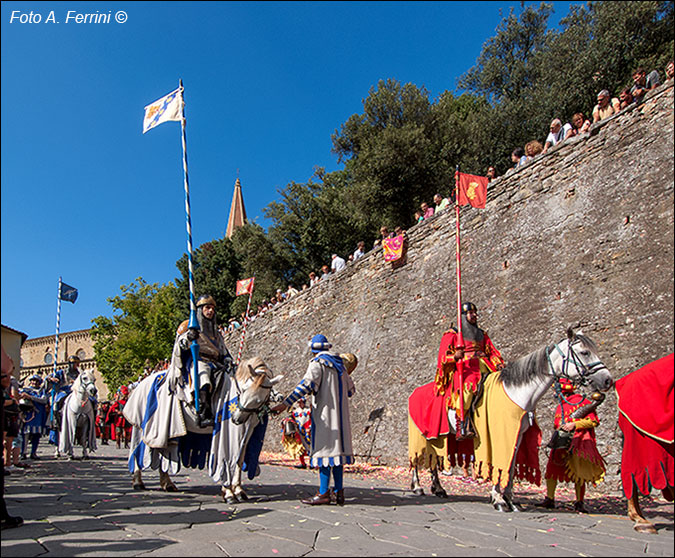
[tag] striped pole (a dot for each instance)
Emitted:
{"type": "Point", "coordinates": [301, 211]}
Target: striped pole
{"type": "Point", "coordinates": [243, 333]}
{"type": "Point", "coordinates": [56, 348]}
{"type": "Point", "coordinates": [193, 323]}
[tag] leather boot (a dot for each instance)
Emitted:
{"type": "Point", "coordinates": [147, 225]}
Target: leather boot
{"type": "Point", "coordinates": [340, 497]}
{"type": "Point", "coordinates": [318, 499]}
{"type": "Point", "coordinates": [205, 414]}
{"type": "Point", "coordinates": [466, 429]}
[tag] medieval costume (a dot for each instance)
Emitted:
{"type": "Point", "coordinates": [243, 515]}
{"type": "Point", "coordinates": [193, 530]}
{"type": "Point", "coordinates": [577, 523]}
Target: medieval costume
{"type": "Point", "coordinates": [581, 462]}
{"type": "Point", "coordinates": [213, 357]}
{"type": "Point", "coordinates": [480, 357]}
{"type": "Point", "coordinates": [331, 440]}
{"type": "Point", "coordinates": [120, 426]}
{"type": "Point", "coordinates": [35, 420]}
{"type": "Point", "coordinates": [58, 388]}
{"type": "Point", "coordinates": [102, 424]}
{"type": "Point", "coordinates": [296, 432]}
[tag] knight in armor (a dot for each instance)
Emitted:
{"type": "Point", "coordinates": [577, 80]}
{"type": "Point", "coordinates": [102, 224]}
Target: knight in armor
{"type": "Point", "coordinates": [35, 420]}
{"type": "Point", "coordinates": [479, 357]}
{"type": "Point", "coordinates": [581, 462]}
{"type": "Point", "coordinates": [58, 387]}
{"type": "Point", "coordinates": [213, 355]}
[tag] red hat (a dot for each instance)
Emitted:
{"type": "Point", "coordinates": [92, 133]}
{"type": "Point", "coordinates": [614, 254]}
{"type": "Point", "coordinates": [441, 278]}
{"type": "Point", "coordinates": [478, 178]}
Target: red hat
{"type": "Point", "coordinates": [124, 390]}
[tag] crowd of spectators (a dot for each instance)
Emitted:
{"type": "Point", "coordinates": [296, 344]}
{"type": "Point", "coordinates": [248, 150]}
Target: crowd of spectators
{"type": "Point", "coordinates": [559, 131]}
{"type": "Point", "coordinates": [606, 106]}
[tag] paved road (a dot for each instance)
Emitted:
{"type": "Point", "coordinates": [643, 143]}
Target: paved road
{"type": "Point", "coordinates": [87, 508]}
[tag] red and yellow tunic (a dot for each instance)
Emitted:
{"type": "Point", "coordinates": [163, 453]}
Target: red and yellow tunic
{"type": "Point", "coordinates": [582, 462]}
{"type": "Point", "coordinates": [474, 366]}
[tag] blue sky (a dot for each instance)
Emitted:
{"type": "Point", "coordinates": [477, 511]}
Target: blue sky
{"type": "Point", "coordinates": [87, 196]}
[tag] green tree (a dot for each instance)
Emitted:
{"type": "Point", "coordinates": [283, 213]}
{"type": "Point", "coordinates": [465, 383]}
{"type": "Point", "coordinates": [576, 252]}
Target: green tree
{"type": "Point", "coordinates": [142, 328]}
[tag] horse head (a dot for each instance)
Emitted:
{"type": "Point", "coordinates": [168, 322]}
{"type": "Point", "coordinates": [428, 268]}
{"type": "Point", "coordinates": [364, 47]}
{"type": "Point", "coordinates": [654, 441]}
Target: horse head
{"type": "Point", "coordinates": [85, 385]}
{"type": "Point", "coordinates": [255, 381]}
{"type": "Point", "coordinates": [576, 359]}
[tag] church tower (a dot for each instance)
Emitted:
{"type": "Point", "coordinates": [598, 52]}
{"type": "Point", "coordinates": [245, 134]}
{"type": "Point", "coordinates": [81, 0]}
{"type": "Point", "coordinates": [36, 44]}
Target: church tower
{"type": "Point", "coordinates": [237, 211]}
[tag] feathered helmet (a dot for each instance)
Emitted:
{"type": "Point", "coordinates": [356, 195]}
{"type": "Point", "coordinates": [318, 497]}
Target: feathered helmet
{"type": "Point", "coordinates": [319, 343]}
{"type": "Point", "coordinates": [566, 385]}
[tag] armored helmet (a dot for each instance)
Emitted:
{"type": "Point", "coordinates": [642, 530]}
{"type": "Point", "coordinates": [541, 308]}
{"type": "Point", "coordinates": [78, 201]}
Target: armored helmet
{"type": "Point", "coordinates": [204, 300]}
{"type": "Point", "coordinates": [468, 307]}
{"type": "Point", "coordinates": [74, 358]}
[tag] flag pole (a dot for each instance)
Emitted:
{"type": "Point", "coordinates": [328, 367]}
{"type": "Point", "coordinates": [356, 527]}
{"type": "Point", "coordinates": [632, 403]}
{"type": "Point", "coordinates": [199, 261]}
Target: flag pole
{"type": "Point", "coordinates": [193, 323]}
{"type": "Point", "coordinates": [243, 333]}
{"type": "Point", "coordinates": [460, 363]}
{"type": "Point", "coordinates": [56, 348]}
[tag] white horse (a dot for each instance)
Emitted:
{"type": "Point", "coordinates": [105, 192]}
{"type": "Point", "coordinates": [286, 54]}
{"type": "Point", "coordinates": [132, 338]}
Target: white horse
{"type": "Point", "coordinates": [523, 382]}
{"type": "Point", "coordinates": [166, 432]}
{"type": "Point", "coordinates": [77, 421]}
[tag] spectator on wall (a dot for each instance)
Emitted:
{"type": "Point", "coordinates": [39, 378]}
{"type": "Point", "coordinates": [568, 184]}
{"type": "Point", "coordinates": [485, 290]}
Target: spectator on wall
{"type": "Point", "coordinates": [491, 174]}
{"type": "Point", "coordinates": [518, 157]}
{"type": "Point", "coordinates": [644, 83]}
{"type": "Point", "coordinates": [670, 70]}
{"type": "Point", "coordinates": [337, 263]}
{"type": "Point", "coordinates": [325, 272]}
{"type": "Point", "coordinates": [557, 134]}
{"type": "Point", "coordinates": [606, 106]}
{"type": "Point", "coordinates": [313, 279]}
{"type": "Point", "coordinates": [360, 250]}
{"type": "Point", "coordinates": [533, 148]}
{"type": "Point", "coordinates": [580, 125]}
{"type": "Point", "coordinates": [625, 98]}
{"type": "Point", "coordinates": [426, 210]}
{"type": "Point", "coordinates": [441, 202]}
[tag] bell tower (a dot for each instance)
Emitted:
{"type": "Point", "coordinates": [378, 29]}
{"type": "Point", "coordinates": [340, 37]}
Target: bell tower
{"type": "Point", "coordinates": [237, 216]}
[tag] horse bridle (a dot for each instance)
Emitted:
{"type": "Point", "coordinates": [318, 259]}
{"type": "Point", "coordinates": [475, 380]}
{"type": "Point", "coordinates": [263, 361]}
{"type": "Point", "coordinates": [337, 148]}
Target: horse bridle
{"type": "Point", "coordinates": [583, 370]}
{"type": "Point", "coordinates": [264, 408]}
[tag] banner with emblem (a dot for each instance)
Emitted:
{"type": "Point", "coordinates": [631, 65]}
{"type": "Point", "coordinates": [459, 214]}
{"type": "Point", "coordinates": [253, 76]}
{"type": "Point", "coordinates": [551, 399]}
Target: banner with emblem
{"type": "Point", "coordinates": [66, 292]}
{"type": "Point", "coordinates": [472, 189]}
{"type": "Point", "coordinates": [245, 286]}
{"type": "Point", "coordinates": [393, 248]}
{"type": "Point", "coordinates": [166, 109]}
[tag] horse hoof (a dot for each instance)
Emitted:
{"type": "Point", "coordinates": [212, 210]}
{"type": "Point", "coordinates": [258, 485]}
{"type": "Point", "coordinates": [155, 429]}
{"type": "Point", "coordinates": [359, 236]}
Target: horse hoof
{"type": "Point", "coordinates": [501, 508]}
{"type": "Point", "coordinates": [441, 494]}
{"type": "Point", "coordinates": [242, 497]}
{"type": "Point", "coordinates": [170, 488]}
{"type": "Point", "coordinates": [139, 486]}
{"type": "Point", "coordinates": [514, 508]}
{"type": "Point", "coordinates": [230, 499]}
{"type": "Point", "coordinates": [645, 528]}
{"type": "Point", "coordinates": [418, 492]}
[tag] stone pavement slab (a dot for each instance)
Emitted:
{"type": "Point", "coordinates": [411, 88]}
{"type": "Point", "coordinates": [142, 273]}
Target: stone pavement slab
{"type": "Point", "coordinates": [88, 508]}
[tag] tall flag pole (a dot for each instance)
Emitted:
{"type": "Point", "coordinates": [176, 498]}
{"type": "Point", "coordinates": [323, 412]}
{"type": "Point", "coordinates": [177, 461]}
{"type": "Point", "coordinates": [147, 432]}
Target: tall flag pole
{"type": "Point", "coordinates": [194, 323]}
{"type": "Point", "coordinates": [172, 108]}
{"type": "Point", "coordinates": [65, 292]}
{"type": "Point", "coordinates": [56, 351]}
{"type": "Point", "coordinates": [244, 286]}
{"type": "Point", "coordinates": [460, 363]}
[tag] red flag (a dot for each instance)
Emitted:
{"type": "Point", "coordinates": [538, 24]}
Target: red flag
{"type": "Point", "coordinates": [472, 189]}
{"type": "Point", "coordinates": [245, 286]}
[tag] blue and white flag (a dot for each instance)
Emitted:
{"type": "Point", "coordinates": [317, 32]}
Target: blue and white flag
{"type": "Point", "coordinates": [68, 293]}
{"type": "Point", "coordinates": [164, 110]}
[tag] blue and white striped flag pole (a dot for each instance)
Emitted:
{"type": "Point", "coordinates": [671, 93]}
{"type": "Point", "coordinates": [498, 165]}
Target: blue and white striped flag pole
{"type": "Point", "coordinates": [193, 323]}
{"type": "Point", "coordinates": [56, 349]}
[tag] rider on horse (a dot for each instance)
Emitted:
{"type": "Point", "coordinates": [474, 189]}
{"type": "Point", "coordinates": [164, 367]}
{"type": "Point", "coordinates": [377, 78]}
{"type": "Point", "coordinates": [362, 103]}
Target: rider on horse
{"type": "Point", "coordinates": [213, 354]}
{"type": "Point", "coordinates": [58, 388]}
{"type": "Point", "coordinates": [479, 357]}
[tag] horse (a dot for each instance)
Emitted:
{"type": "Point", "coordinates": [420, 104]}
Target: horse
{"type": "Point", "coordinates": [166, 431]}
{"type": "Point", "coordinates": [77, 421]}
{"type": "Point", "coordinates": [647, 459]}
{"type": "Point", "coordinates": [504, 414]}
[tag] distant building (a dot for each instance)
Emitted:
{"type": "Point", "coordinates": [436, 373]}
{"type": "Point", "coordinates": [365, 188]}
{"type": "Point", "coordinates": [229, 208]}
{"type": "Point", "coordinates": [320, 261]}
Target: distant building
{"type": "Point", "coordinates": [12, 340]}
{"type": "Point", "coordinates": [237, 216]}
{"type": "Point", "coordinates": [37, 355]}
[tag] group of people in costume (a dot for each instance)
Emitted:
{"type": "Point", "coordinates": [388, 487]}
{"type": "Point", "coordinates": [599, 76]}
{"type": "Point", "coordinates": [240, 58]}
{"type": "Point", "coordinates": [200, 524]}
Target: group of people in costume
{"type": "Point", "coordinates": [577, 461]}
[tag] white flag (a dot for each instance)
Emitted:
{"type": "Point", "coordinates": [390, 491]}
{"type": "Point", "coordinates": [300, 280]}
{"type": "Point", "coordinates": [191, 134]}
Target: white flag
{"type": "Point", "coordinates": [163, 110]}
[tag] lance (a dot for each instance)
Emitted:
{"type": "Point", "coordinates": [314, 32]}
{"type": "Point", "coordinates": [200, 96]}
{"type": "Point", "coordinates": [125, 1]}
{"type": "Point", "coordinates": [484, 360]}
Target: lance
{"type": "Point", "coordinates": [193, 323]}
{"type": "Point", "coordinates": [243, 332]}
{"type": "Point", "coordinates": [56, 350]}
{"type": "Point", "coordinates": [460, 363]}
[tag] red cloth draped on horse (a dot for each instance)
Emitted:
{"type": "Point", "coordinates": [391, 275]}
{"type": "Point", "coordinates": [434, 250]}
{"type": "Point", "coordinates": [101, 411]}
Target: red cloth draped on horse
{"type": "Point", "coordinates": [645, 401]}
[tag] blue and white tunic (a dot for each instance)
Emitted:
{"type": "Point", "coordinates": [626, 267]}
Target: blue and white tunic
{"type": "Point", "coordinates": [332, 387]}
{"type": "Point", "coordinates": [35, 421]}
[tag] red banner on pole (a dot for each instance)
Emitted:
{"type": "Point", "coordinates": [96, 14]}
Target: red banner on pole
{"type": "Point", "coordinates": [472, 189]}
{"type": "Point", "coordinates": [245, 286]}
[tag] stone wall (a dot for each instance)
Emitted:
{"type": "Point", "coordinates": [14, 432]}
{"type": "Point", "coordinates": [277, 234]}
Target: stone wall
{"type": "Point", "coordinates": [581, 235]}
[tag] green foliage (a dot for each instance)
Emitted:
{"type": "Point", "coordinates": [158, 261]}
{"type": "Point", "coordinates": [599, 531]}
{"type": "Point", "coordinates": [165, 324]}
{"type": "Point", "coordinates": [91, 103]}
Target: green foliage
{"type": "Point", "coordinates": [143, 328]}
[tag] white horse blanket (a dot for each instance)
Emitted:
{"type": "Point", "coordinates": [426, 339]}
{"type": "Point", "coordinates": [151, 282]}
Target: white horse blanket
{"type": "Point", "coordinates": [69, 424]}
{"type": "Point", "coordinates": [166, 432]}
